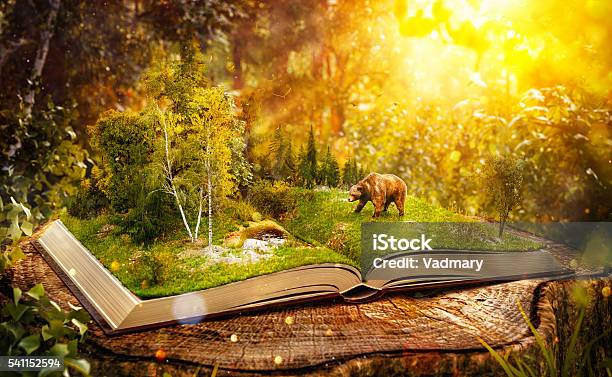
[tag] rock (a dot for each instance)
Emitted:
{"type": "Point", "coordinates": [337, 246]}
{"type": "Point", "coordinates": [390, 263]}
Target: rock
{"type": "Point", "coordinates": [266, 243]}
{"type": "Point", "coordinates": [253, 244]}
{"type": "Point", "coordinates": [213, 251]}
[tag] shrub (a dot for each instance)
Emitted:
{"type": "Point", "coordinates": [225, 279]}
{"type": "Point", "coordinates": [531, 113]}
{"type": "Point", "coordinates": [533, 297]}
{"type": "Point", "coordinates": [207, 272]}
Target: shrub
{"type": "Point", "coordinates": [240, 210]}
{"type": "Point", "coordinates": [152, 217]}
{"type": "Point", "coordinates": [88, 202]}
{"type": "Point", "coordinates": [124, 141]}
{"type": "Point", "coordinates": [274, 199]}
{"type": "Point", "coordinates": [154, 268]}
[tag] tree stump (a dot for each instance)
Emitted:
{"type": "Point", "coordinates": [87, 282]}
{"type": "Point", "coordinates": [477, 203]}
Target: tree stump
{"type": "Point", "coordinates": [418, 334]}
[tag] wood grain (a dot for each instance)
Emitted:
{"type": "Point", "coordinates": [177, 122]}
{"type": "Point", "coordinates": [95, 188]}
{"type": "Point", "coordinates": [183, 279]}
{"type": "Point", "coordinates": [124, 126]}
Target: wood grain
{"type": "Point", "coordinates": [311, 335]}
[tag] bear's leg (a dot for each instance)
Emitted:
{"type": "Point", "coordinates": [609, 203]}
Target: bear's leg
{"type": "Point", "coordinates": [387, 206]}
{"type": "Point", "coordinates": [378, 206]}
{"type": "Point", "coordinates": [400, 207]}
{"type": "Point", "coordinates": [399, 203]}
{"type": "Point", "coordinates": [360, 206]}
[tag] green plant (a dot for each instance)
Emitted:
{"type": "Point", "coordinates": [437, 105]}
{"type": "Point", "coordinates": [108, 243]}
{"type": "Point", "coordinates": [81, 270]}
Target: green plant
{"type": "Point", "coordinates": [330, 171]}
{"type": "Point", "coordinates": [274, 199]}
{"type": "Point", "coordinates": [503, 180]}
{"type": "Point", "coordinates": [35, 325]}
{"type": "Point", "coordinates": [153, 216]}
{"type": "Point", "coordinates": [124, 141]}
{"type": "Point", "coordinates": [573, 364]}
{"type": "Point", "coordinates": [307, 165]}
{"type": "Point", "coordinates": [88, 202]}
{"type": "Point", "coordinates": [241, 210]}
{"type": "Point", "coordinates": [200, 140]}
{"type": "Point", "coordinates": [15, 221]}
{"type": "Point", "coordinates": [153, 267]}
{"type": "Point", "coordinates": [350, 173]}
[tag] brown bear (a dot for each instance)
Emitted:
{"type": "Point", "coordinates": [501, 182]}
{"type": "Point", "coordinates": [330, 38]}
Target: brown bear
{"type": "Point", "coordinates": [381, 190]}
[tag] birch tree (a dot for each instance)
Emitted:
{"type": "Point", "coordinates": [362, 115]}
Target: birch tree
{"type": "Point", "coordinates": [213, 117]}
{"type": "Point", "coordinates": [196, 157]}
{"type": "Point", "coordinates": [198, 135]}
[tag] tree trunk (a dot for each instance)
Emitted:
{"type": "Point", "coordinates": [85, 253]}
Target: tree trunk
{"type": "Point", "coordinates": [197, 228]}
{"type": "Point", "coordinates": [502, 223]}
{"type": "Point", "coordinates": [170, 178]}
{"type": "Point", "coordinates": [209, 184]}
{"type": "Point", "coordinates": [210, 218]}
{"type": "Point", "coordinates": [41, 56]}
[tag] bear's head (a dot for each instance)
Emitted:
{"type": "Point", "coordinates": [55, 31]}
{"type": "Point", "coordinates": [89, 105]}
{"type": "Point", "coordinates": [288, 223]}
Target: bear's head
{"type": "Point", "coordinates": [356, 192]}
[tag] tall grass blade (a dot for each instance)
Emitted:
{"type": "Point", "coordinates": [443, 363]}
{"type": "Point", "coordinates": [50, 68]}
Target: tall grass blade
{"type": "Point", "coordinates": [570, 353]}
{"type": "Point", "coordinates": [502, 362]}
{"type": "Point", "coordinates": [546, 353]}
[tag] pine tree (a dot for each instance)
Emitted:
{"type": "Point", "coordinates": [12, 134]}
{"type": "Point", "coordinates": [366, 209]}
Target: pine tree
{"type": "Point", "coordinates": [350, 174]}
{"type": "Point", "coordinates": [360, 174]}
{"type": "Point", "coordinates": [302, 167]}
{"type": "Point", "coordinates": [330, 172]}
{"type": "Point", "coordinates": [289, 164]}
{"type": "Point", "coordinates": [346, 173]}
{"type": "Point", "coordinates": [310, 168]}
{"type": "Point", "coordinates": [277, 150]}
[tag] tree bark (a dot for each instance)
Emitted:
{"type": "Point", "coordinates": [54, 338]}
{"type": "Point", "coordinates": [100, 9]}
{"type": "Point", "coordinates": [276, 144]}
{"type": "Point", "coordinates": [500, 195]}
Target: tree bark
{"type": "Point", "coordinates": [197, 228]}
{"type": "Point", "coordinates": [170, 178]}
{"type": "Point", "coordinates": [41, 56]}
{"type": "Point", "coordinates": [209, 183]}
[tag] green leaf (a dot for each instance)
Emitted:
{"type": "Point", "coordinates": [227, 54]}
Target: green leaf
{"type": "Point", "coordinates": [82, 327]}
{"type": "Point", "coordinates": [27, 227]}
{"type": "Point", "coordinates": [30, 343]}
{"type": "Point", "coordinates": [500, 360]}
{"type": "Point", "coordinates": [16, 254]}
{"type": "Point", "coordinates": [49, 372]}
{"type": "Point", "coordinates": [14, 231]}
{"type": "Point", "coordinates": [36, 292]}
{"type": "Point", "coordinates": [15, 329]}
{"type": "Point", "coordinates": [80, 315]}
{"type": "Point", "coordinates": [55, 329]}
{"type": "Point", "coordinates": [80, 365]}
{"type": "Point", "coordinates": [46, 334]}
{"type": "Point", "coordinates": [16, 311]}
{"type": "Point", "coordinates": [59, 349]}
{"type": "Point", "coordinates": [16, 295]}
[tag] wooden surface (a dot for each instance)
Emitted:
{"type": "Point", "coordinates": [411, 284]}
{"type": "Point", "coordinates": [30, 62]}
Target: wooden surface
{"type": "Point", "coordinates": [303, 338]}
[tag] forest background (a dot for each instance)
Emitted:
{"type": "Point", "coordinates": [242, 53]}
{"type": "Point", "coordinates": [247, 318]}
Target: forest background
{"type": "Point", "coordinates": [425, 90]}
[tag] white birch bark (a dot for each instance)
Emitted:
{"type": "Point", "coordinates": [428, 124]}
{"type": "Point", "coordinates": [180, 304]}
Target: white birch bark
{"type": "Point", "coordinates": [208, 173]}
{"type": "Point", "coordinates": [170, 178]}
{"type": "Point", "coordinates": [41, 56]}
{"type": "Point", "coordinates": [197, 228]}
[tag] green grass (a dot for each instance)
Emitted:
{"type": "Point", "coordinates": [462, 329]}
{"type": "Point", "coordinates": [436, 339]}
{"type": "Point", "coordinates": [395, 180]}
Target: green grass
{"type": "Point", "coordinates": [179, 275]}
{"type": "Point", "coordinates": [327, 218]}
{"type": "Point", "coordinates": [323, 219]}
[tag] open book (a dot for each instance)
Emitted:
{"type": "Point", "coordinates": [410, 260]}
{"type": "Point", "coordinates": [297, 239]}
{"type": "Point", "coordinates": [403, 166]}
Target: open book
{"type": "Point", "coordinates": [118, 310]}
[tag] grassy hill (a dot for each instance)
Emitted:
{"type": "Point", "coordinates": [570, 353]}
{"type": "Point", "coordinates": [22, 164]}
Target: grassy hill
{"type": "Point", "coordinates": [327, 218]}
{"type": "Point", "coordinates": [322, 228]}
